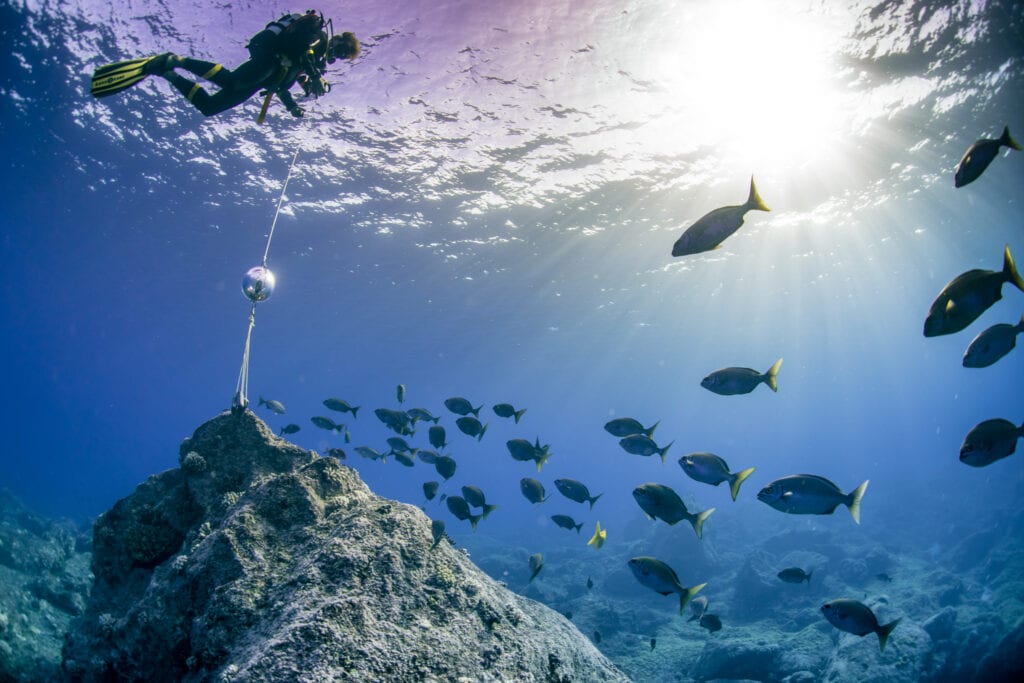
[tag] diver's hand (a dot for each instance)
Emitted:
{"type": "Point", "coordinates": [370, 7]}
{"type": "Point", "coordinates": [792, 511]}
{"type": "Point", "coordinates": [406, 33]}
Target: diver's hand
{"type": "Point", "coordinates": [297, 111]}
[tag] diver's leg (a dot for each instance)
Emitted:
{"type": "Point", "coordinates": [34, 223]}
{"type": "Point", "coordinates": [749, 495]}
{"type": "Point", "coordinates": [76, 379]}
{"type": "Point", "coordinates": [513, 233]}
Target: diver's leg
{"type": "Point", "coordinates": [208, 71]}
{"type": "Point", "coordinates": [206, 103]}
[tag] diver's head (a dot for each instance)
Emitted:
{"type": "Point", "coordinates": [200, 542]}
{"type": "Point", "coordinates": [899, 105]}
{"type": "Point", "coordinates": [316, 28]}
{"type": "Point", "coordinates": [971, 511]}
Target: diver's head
{"type": "Point", "coordinates": [345, 46]}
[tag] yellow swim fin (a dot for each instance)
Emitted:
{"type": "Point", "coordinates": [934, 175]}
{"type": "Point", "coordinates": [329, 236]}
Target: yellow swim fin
{"type": "Point", "coordinates": [113, 78]}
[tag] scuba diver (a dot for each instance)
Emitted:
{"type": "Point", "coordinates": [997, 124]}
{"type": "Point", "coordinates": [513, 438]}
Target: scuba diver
{"type": "Point", "coordinates": [295, 48]}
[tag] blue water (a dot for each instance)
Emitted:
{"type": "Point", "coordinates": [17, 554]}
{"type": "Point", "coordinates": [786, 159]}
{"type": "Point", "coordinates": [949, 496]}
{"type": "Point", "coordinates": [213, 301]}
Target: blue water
{"type": "Point", "coordinates": [484, 206]}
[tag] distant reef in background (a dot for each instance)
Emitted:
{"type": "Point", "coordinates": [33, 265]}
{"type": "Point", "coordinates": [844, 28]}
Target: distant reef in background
{"type": "Point", "coordinates": [257, 560]}
{"type": "Point", "coordinates": [44, 585]}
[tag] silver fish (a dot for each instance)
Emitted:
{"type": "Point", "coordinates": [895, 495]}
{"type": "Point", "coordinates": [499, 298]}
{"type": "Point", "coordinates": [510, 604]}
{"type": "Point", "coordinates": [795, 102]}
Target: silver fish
{"type": "Point", "coordinates": [992, 344]}
{"type": "Point", "coordinates": [969, 295]}
{"type": "Point", "coordinates": [275, 406]}
{"type": "Point", "coordinates": [370, 453]}
{"type": "Point", "coordinates": [713, 228]}
{"type": "Point", "coordinates": [989, 441]}
{"type": "Point", "coordinates": [708, 468]}
{"type": "Point", "coordinates": [698, 606]}
{"type": "Point", "coordinates": [809, 494]}
{"type": "Point", "coordinates": [979, 155]}
{"type": "Point", "coordinates": [733, 381]}
{"type": "Point", "coordinates": [662, 502]}
{"type": "Point", "coordinates": [660, 578]}
{"type": "Point", "coordinates": [290, 429]}
{"type": "Point", "coordinates": [856, 618]}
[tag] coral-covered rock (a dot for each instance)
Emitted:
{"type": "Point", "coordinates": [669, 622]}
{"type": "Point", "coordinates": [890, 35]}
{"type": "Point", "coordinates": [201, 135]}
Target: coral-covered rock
{"type": "Point", "coordinates": [44, 582]}
{"type": "Point", "coordinates": [269, 563]}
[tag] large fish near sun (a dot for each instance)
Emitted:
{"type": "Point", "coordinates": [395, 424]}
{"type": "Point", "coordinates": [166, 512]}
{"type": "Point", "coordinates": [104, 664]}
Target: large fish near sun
{"type": "Point", "coordinates": [713, 228]}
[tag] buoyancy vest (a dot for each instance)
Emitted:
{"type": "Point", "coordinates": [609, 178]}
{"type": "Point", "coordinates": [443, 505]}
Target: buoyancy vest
{"type": "Point", "coordinates": [292, 35]}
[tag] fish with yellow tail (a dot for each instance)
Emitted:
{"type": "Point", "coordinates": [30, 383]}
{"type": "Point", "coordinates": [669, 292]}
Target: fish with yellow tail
{"type": "Point", "coordinates": [733, 381]}
{"type": "Point", "coordinates": [979, 155]}
{"type": "Point", "coordinates": [857, 618]}
{"type": "Point", "coordinates": [598, 539]}
{"type": "Point", "coordinates": [662, 502]}
{"type": "Point", "coordinates": [708, 468]}
{"type": "Point", "coordinates": [713, 228]}
{"type": "Point", "coordinates": [809, 494]}
{"type": "Point", "coordinates": [969, 295]}
{"type": "Point", "coordinates": [661, 578]}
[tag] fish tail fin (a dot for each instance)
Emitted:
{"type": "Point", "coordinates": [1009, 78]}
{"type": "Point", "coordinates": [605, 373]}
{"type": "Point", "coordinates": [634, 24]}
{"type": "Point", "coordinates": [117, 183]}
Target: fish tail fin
{"type": "Point", "coordinates": [262, 402]}
{"type": "Point", "coordinates": [737, 481]}
{"type": "Point", "coordinates": [519, 414]}
{"type": "Point", "coordinates": [480, 436]}
{"type": "Point", "coordinates": [698, 522]}
{"type": "Point", "coordinates": [355, 410]}
{"type": "Point", "coordinates": [884, 631]}
{"type": "Point", "coordinates": [488, 509]}
{"type": "Point", "coordinates": [473, 519]}
{"type": "Point", "coordinates": [1007, 140]}
{"type": "Point", "coordinates": [476, 411]}
{"type": "Point", "coordinates": [754, 200]}
{"type": "Point", "coordinates": [663, 451]}
{"type": "Point", "coordinates": [769, 377]}
{"type": "Point", "coordinates": [687, 594]}
{"type": "Point", "coordinates": [593, 500]}
{"type": "Point", "coordinates": [1010, 271]}
{"type": "Point", "coordinates": [809, 578]}
{"type": "Point", "coordinates": [855, 498]}
{"type": "Point", "coordinates": [650, 430]}
{"type": "Point", "coordinates": [578, 527]}
{"type": "Point", "coordinates": [541, 460]}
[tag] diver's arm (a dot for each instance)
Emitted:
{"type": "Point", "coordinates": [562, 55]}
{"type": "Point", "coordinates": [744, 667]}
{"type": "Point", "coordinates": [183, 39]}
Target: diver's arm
{"type": "Point", "coordinates": [289, 102]}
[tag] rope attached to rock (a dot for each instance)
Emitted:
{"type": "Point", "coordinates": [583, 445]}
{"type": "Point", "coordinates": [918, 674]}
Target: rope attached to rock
{"type": "Point", "coordinates": [258, 286]}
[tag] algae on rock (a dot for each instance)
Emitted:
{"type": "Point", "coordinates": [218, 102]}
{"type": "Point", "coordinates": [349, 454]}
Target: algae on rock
{"type": "Point", "coordinates": [270, 563]}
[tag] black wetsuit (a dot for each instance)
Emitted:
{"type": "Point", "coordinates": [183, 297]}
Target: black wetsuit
{"type": "Point", "coordinates": [278, 54]}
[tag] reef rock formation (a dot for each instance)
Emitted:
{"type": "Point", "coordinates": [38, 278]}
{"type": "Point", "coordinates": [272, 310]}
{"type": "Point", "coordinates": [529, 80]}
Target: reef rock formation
{"type": "Point", "coordinates": [259, 561]}
{"type": "Point", "coordinates": [44, 575]}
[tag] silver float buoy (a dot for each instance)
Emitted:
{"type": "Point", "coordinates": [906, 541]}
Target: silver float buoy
{"type": "Point", "coordinates": [258, 284]}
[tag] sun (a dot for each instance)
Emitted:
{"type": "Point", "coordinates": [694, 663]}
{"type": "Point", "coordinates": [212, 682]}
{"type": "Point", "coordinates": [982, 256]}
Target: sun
{"type": "Point", "coordinates": [757, 80]}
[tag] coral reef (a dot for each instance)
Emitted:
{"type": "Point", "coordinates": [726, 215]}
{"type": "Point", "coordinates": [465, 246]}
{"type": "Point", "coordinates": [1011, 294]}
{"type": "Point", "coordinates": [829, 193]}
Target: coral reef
{"type": "Point", "coordinates": [260, 561]}
{"type": "Point", "coordinates": [44, 571]}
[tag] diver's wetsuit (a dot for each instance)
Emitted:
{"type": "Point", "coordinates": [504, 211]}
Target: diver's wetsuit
{"type": "Point", "coordinates": [277, 56]}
